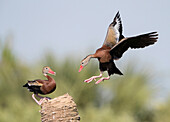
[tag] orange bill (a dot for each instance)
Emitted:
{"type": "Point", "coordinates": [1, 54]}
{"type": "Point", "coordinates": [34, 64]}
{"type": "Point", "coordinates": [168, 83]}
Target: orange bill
{"type": "Point", "coordinates": [51, 72]}
{"type": "Point", "coordinates": [81, 67]}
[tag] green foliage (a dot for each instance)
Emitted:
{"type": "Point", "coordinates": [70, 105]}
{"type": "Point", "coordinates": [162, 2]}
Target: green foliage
{"type": "Point", "coordinates": [121, 99]}
{"type": "Point", "coordinates": [162, 112]}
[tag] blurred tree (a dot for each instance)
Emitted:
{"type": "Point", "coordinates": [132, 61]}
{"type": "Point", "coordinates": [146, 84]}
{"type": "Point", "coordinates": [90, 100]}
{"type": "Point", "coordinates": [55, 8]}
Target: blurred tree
{"type": "Point", "coordinates": [162, 112]}
{"type": "Point", "coordinates": [13, 97]}
{"type": "Point", "coordinates": [121, 99]}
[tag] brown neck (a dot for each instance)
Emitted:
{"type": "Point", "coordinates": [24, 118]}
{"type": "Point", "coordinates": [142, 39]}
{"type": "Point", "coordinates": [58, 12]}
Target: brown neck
{"type": "Point", "coordinates": [50, 79]}
{"type": "Point", "coordinates": [91, 56]}
{"type": "Point", "coordinates": [87, 58]}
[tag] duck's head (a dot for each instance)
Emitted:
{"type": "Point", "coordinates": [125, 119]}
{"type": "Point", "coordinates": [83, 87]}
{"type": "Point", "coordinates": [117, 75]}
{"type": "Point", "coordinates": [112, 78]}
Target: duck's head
{"type": "Point", "coordinates": [84, 62]}
{"type": "Point", "coordinates": [46, 70]}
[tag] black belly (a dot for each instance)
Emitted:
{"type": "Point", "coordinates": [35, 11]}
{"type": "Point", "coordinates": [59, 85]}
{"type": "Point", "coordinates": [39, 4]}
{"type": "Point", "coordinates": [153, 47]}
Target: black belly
{"type": "Point", "coordinates": [110, 67]}
{"type": "Point", "coordinates": [104, 66]}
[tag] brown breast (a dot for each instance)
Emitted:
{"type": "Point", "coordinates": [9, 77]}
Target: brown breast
{"type": "Point", "coordinates": [48, 85]}
{"type": "Point", "coordinates": [48, 88]}
{"type": "Point", "coordinates": [103, 54]}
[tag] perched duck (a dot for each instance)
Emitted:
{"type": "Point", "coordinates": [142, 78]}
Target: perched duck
{"type": "Point", "coordinates": [42, 86]}
{"type": "Point", "coordinates": [114, 46]}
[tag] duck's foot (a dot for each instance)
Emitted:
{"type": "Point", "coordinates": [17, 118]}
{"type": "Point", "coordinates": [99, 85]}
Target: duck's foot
{"type": "Point", "coordinates": [48, 98]}
{"type": "Point", "coordinates": [102, 79]}
{"type": "Point", "coordinates": [92, 78]}
{"type": "Point", "coordinates": [41, 99]}
{"type": "Point", "coordinates": [38, 102]}
{"type": "Point", "coordinates": [88, 80]}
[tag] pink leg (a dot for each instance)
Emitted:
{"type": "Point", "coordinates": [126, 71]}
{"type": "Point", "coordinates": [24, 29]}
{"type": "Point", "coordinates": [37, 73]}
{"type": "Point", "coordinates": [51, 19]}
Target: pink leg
{"type": "Point", "coordinates": [102, 79]}
{"type": "Point", "coordinates": [39, 96]}
{"type": "Point", "coordinates": [38, 102]}
{"type": "Point", "coordinates": [93, 77]}
{"type": "Point", "coordinates": [47, 98]}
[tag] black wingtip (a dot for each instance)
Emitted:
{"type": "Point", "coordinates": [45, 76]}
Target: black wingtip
{"type": "Point", "coordinates": [154, 32]}
{"type": "Point", "coordinates": [117, 15]}
{"type": "Point", "coordinates": [153, 35]}
{"type": "Point", "coordinates": [118, 12]}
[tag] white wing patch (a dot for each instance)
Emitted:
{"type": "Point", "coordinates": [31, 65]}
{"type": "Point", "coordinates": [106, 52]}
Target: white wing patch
{"type": "Point", "coordinates": [116, 28]}
{"type": "Point", "coordinates": [35, 83]}
{"type": "Point", "coordinates": [114, 32]}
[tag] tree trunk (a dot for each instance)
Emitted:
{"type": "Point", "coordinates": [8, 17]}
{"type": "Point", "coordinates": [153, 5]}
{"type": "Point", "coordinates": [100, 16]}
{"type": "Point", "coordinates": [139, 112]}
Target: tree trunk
{"type": "Point", "coordinates": [60, 109]}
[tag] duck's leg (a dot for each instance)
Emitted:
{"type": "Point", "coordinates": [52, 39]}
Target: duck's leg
{"type": "Point", "coordinates": [38, 102]}
{"type": "Point", "coordinates": [93, 77]}
{"type": "Point", "coordinates": [102, 79]}
{"type": "Point", "coordinates": [47, 98]}
{"type": "Point", "coordinates": [39, 96]}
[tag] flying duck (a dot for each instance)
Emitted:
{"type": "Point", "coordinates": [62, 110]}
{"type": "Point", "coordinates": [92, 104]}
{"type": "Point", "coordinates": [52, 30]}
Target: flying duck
{"type": "Point", "coordinates": [113, 48]}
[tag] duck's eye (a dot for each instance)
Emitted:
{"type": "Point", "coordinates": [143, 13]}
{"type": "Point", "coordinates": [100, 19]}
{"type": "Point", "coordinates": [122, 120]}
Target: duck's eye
{"type": "Point", "coordinates": [82, 63]}
{"type": "Point", "coordinates": [46, 68]}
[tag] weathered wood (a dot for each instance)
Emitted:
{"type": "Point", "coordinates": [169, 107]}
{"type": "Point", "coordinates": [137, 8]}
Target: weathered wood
{"type": "Point", "coordinates": [60, 109]}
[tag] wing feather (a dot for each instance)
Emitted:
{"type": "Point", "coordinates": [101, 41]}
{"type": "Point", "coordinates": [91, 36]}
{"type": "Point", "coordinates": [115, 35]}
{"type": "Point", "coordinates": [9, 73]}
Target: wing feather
{"type": "Point", "coordinates": [140, 41]}
{"type": "Point", "coordinates": [114, 32]}
{"type": "Point", "coordinates": [34, 83]}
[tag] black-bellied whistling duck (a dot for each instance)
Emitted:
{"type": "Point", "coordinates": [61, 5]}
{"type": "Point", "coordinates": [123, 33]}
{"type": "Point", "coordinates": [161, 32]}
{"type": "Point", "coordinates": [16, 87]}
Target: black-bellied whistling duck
{"type": "Point", "coordinates": [42, 86]}
{"type": "Point", "coordinates": [114, 46]}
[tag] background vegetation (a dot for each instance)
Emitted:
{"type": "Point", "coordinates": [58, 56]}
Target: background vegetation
{"type": "Point", "coordinates": [128, 98]}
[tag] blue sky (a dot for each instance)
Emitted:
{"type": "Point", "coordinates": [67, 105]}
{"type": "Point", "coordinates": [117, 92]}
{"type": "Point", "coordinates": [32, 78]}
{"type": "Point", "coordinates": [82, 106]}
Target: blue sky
{"type": "Point", "coordinates": [77, 27]}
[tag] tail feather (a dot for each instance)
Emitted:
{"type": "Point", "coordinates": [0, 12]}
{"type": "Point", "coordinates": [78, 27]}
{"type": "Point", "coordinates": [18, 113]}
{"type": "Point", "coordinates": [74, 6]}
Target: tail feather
{"type": "Point", "coordinates": [113, 69]}
{"type": "Point", "coordinates": [26, 85]}
{"type": "Point", "coordinates": [117, 71]}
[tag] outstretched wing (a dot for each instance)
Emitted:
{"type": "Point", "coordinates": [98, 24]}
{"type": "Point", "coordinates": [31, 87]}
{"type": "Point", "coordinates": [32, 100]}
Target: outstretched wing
{"type": "Point", "coordinates": [140, 41]}
{"type": "Point", "coordinates": [114, 32]}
